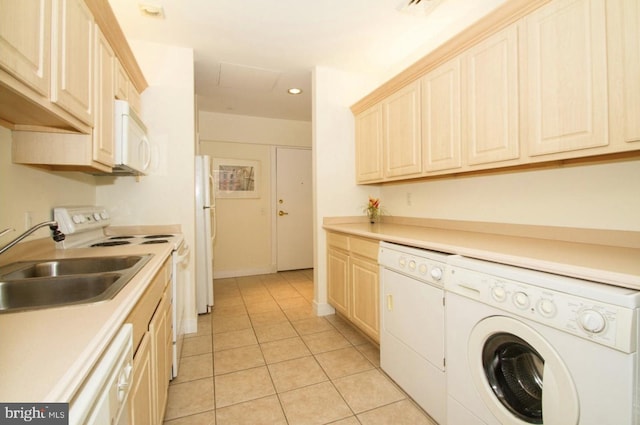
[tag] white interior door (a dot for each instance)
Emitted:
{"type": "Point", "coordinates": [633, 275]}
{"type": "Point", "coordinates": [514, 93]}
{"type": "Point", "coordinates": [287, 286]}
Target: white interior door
{"type": "Point", "coordinates": [294, 209]}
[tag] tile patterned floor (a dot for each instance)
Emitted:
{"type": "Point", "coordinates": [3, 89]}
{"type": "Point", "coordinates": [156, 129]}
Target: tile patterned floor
{"type": "Point", "coordinates": [262, 357]}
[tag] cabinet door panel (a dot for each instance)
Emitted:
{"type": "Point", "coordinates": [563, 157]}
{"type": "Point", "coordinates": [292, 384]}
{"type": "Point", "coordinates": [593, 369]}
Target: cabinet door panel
{"type": "Point", "coordinates": [73, 49]}
{"type": "Point", "coordinates": [401, 124]}
{"type": "Point", "coordinates": [369, 155]}
{"type": "Point", "coordinates": [141, 396]}
{"type": "Point", "coordinates": [103, 132]}
{"type": "Point", "coordinates": [566, 84]}
{"type": "Point", "coordinates": [491, 99]}
{"type": "Point", "coordinates": [365, 297]}
{"type": "Point", "coordinates": [441, 117]}
{"type": "Point", "coordinates": [337, 280]}
{"type": "Point", "coordinates": [25, 42]}
{"type": "Point", "coordinates": [631, 70]}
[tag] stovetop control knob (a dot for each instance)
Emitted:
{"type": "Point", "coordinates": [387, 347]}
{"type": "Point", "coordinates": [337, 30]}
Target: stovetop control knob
{"type": "Point", "coordinates": [104, 215]}
{"type": "Point", "coordinates": [436, 273]}
{"type": "Point", "coordinates": [592, 320]}
{"type": "Point", "coordinates": [77, 218]}
{"type": "Point", "coordinates": [96, 215]}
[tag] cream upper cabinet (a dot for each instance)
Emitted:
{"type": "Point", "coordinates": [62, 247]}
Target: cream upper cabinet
{"type": "Point", "coordinates": [623, 37]}
{"type": "Point", "coordinates": [565, 84]}
{"type": "Point", "coordinates": [25, 42]}
{"type": "Point", "coordinates": [369, 145]}
{"type": "Point", "coordinates": [441, 118]}
{"type": "Point", "coordinates": [401, 132]}
{"type": "Point", "coordinates": [103, 131]}
{"type": "Point", "coordinates": [490, 99]}
{"type": "Point", "coordinates": [72, 86]}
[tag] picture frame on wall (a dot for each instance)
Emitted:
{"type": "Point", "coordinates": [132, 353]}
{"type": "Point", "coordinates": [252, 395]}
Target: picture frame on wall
{"type": "Point", "coordinates": [236, 178]}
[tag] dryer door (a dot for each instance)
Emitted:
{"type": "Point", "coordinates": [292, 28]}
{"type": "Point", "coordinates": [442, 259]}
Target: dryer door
{"type": "Point", "coordinates": [519, 375]}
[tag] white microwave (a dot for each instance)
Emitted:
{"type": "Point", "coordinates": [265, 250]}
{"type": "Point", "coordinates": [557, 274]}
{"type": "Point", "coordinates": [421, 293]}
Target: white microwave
{"type": "Point", "coordinates": [132, 147]}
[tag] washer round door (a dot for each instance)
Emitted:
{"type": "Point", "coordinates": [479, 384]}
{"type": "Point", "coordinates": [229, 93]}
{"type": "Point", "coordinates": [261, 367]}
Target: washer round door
{"type": "Point", "coordinates": [519, 375]}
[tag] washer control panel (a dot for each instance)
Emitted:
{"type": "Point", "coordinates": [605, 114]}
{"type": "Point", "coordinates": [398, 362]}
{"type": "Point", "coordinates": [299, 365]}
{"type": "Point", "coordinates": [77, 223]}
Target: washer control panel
{"type": "Point", "coordinates": [602, 322]}
{"type": "Point", "coordinates": [426, 266]}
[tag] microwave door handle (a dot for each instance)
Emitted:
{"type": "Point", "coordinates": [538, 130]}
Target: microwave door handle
{"type": "Point", "coordinates": [146, 146]}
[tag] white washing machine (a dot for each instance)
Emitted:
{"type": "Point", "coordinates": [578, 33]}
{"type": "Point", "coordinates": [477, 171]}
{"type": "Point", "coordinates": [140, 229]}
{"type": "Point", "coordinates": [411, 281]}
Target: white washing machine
{"type": "Point", "coordinates": [526, 347]}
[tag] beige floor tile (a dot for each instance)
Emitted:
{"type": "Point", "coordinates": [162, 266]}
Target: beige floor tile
{"type": "Point", "coordinates": [263, 411]}
{"type": "Point", "coordinates": [353, 336]}
{"type": "Point", "coordinates": [284, 293]}
{"type": "Point", "coordinates": [263, 307]}
{"type": "Point", "coordinates": [241, 386]}
{"type": "Point", "coordinates": [297, 373]}
{"type": "Point", "coordinates": [206, 418]}
{"type": "Point", "coordinates": [237, 359]}
{"type": "Point", "coordinates": [294, 302]}
{"type": "Point", "coordinates": [194, 367]}
{"type": "Point", "coordinates": [284, 349]}
{"type": "Point", "coordinates": [314, 405]}
{"type": "Point", "coordinates": [348, 421]}
{"type": "Point", "coordinates": [268, 318]}
{"type": "Point", "coordinates": [299, 313]}
{"type": "Point", "coordinates": [229, 300]}
{"type": "Point", "coordinates": [258, 298]}
{"type": "Point", "coordinates": [274, 332]}
{"type": "Point", "coordinates": [197, 345]}
{"type": "Point", "coordinates": [371, 352]}
{"type": "Point", "coordinates": [343, 362]}
{"type": "Point", "coordinates": [312, 326]}
{"type": "Point", "coordinates": [190, 398]}
{"type": "Point", "coordinates": [325, 341]}
{"type": "Point", "coordinates": [229, 310]}
{"type": "Point", "coordinates": [367, 390]}
{"type": "Point", "coordinates": [235, 339]}
{"type": "Point", "coordinates": [230, 323]}
{"type": "Point", "coordinates": [401, 413]}
{"type": "Point", "coordinates": [204, 327]}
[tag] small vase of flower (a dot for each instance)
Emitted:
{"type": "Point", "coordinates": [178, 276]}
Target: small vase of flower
{"type": "Point", "coordinates": [373, 209]}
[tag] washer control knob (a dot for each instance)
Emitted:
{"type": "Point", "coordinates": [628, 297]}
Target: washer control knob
{"type": "Point", "coordinates": [547, 308]}
{"type": "Point", "coordinates": [521, 300]}
{"type": "Point", "coordinates": [592, 321]}
{"type": "Point", "coordinates": [402, 262]}
{"type": "Point", "coordinates": [498, 293]}
{"type": "Point", "coordinates": [422, 269]}
{"type": "Point", "coordinates": [412, 265]}
{"type": "Point", "coordinates": [436, 273]}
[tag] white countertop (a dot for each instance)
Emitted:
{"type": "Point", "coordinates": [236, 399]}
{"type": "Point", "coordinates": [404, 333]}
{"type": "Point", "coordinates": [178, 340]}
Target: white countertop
{"type": "Point", "coordinates": [46, 354]}
{"type": "Point", "coordinates": [615, 265]}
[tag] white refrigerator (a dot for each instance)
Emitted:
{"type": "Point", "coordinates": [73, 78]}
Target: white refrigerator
{"type": "Point", "coordinates": [205, 234]}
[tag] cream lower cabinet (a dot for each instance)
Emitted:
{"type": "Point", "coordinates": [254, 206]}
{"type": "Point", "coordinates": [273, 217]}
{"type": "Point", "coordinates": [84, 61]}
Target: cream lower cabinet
{"type": "Point", "coordinates": [353, 282]}
{"type": "Point", "coordinates": [152, 334]}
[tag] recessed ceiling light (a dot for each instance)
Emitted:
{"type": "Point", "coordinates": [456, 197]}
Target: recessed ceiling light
{"type": "Point", "coordinates": [294, 90]}
{"type": "Point", "coordinates": [151, 10]}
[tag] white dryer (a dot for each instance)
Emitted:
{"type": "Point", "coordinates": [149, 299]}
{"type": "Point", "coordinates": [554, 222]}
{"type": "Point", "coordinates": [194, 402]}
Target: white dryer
{"type": "Point", "coordinates": [526, 347]}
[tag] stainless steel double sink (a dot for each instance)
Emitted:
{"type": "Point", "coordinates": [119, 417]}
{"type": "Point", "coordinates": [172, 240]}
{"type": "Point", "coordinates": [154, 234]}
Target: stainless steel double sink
{"type": "Point", "coordinates": [28, 285]}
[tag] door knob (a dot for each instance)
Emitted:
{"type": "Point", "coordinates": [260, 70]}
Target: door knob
{"type": "Point", "coordinates": [281, 213]}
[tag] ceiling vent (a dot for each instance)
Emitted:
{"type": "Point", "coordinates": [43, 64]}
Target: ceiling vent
{"type": "Point", "coordinates": [418, 7]}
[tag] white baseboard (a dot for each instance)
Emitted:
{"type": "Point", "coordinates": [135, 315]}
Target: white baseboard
{"type": "Point", "coordinates": [323, 309]}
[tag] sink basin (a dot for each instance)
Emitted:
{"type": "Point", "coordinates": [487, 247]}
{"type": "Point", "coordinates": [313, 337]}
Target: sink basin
{"type": "Point", "coordinates": [70, 266]}
{"type": "Point", "coordinates": [51, 283]}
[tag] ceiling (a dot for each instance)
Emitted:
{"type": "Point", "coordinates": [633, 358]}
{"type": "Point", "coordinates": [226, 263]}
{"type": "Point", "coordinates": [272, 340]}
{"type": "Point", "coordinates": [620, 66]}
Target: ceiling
{"type": "Point", "coordinates": [247, 53]}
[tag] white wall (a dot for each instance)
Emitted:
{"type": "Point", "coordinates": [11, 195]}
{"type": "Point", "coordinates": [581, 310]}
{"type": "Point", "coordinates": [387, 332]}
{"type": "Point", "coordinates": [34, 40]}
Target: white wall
{"type": "Point", "coordinates": [166, 196]}
{"type": "Point", "coordinates": [29, 189]}
{"type": "Point", "coordinates": [600, 196]}
{"type": "Point", "coordinates": [245, 227]}
{"type": "Point", "coordinates": [335, 191]}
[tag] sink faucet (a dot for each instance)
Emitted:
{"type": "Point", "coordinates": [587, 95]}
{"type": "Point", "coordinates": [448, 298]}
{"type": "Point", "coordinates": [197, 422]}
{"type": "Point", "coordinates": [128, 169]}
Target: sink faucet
{"type": "Point", "coordinates": [53, 225]}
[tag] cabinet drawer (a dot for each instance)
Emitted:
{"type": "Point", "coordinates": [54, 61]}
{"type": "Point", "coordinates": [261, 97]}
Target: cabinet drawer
{"type": "Point", "coordinates": [338, 240]}
{"type": "Point", "coordinates": [364, 247]}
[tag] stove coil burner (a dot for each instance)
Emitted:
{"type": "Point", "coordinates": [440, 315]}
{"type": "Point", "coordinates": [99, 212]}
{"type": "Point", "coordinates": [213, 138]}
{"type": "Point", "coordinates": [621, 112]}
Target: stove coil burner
{"type": "Point", "coordinates": [110, 243]}
{"type": "Point", "coordinates": [158, 236]}
{"type": "Point", "coordinates": [154, 241]}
